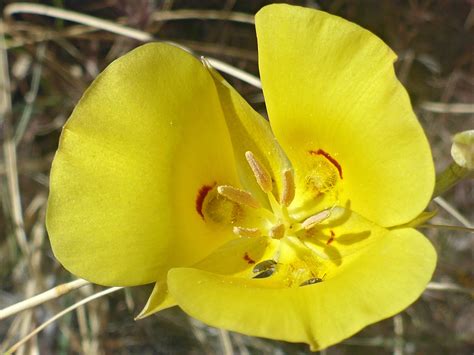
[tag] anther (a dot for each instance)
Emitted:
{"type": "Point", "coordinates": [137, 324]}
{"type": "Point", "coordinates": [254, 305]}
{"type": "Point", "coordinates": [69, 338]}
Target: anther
{"type": "Point", "coordinates": [238, 196]}
{"type": "Point", "coordinates": [288, 192]}
{"type": "Point", "coordinates": [277, 231]}
{"type": "Point", "coordinates": [264, 180]}
{"type": "Point", "coordinates": [247, 232]}
{"type": "Point", "coordinates": [310, 222]}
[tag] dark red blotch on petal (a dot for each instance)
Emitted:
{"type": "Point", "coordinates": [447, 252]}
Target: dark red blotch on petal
{"type": "Point", "coordinates": [201, 195]}
{"type": "Point", "coordinates": [331, 239]}
{"type": "Point", "coordinates": [329, 158]}
{"type": "Point", "coordinates": [248, 259]}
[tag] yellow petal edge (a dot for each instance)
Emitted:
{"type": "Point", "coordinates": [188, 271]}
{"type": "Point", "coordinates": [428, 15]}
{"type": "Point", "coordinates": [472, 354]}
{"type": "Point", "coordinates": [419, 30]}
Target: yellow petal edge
{"type": "Point", "coordinates": [142, 141]}
{"type": "Point", "coordinates": [330, 84]}
{"type": "Point", "coordinates": [381, 281]}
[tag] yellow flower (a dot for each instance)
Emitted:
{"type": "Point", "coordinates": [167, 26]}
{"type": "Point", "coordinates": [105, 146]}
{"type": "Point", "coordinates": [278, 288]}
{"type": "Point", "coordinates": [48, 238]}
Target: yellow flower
{"type": "Point", "coordinates": [165, 174]}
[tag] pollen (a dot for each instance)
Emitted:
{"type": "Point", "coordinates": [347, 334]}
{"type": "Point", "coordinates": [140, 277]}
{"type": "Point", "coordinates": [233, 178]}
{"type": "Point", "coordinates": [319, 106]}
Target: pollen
{"type": "Point", "coordinates": [239, 196]}
{"type": "Point", "coordinates": [312, 221]}
{"type": "Point", "coordinates": [296, 260]}
{"type": "Point", "coordinates": [263, 177]}
{"type": "Point", "coordinates": [288, 193]}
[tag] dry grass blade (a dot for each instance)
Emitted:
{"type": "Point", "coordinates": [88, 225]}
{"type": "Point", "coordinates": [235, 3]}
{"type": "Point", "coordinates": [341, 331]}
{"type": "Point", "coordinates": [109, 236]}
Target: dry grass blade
{"type": "Point", "coordinates": [226, 342]}
{"type": "Point", "coordinates": [185, 14]}
{"type": "Point", "coordinates": [453, 212]}
{"type": "Point", "coordinates": [398, 329]}
{"type": "Point", "coordinates": [78, 18]}
{"type": "Point", "coordinates": [77, 48]}
{"type": "Point", "coordinates": [31, 95]}
{"type": "Point", "coordinates": [5, 99]}
{"type": "Point", "coordinates": [34, 301]}
{"type": "Point", "coordinates": [438, 286]}
{"type": "Point", "coordinates": [59, 315]}
{"type": "Point", "coordinates": [439, 107]}
{"type": "Point", "coordinates": [447, 227]}
{"type": "Point", "coordinates": [9, 150]}
{"type": "Point", "coordinates": [120, 30]}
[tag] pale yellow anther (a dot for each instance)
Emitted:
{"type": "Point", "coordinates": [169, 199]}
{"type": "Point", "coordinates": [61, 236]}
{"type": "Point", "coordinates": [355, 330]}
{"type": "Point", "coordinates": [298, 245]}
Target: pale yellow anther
{"type": "Point", "coordinates": [247, 232]}
{"type": "Point", "coordinates": [238, 196]}
{"type": "Point", "coordinates": [310, 222]}
{"type": "Point", "coordinates": [288, 191]}
{"type": "Point", "coordinates": [264, 180]}
{"type": "Point", "coordinates": [277, 231]}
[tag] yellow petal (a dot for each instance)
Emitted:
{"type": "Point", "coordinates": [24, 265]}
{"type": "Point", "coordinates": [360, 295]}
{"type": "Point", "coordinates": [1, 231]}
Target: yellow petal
{"type": "Point", "coordinates": [159, 300]}
{"type": "Point", "coordinates": [144, 140]}
{"type": "Point", "coordinates": [249, 131]}
{"type": "Point", "coordinates": [330, 85]}
{"type": "Point", "coordinates": [376, 283]}
{"type": "Point", "coordinates": [236, 256]}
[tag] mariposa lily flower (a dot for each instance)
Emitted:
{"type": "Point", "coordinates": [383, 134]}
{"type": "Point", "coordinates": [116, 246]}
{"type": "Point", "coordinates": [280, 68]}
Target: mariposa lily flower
{"type": "Point", "coordinates": [290, 230]}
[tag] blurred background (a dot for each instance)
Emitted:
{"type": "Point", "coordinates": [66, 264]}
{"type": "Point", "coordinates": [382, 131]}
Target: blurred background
{"type": "Point", "coordinates": [51, 62]}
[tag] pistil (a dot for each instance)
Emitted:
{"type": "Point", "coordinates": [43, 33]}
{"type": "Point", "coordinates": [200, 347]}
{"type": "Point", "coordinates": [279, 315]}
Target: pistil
{"type": "Point", "coordinates": [277, 231]}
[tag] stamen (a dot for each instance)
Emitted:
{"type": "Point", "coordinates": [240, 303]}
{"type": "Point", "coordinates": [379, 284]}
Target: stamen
{"type": "Point", "coordinates": [247, 232]}
{"type": "Point", "coordinates": [238, 196]}
{"type": "Point", "coordinates": [277, 231]}
{"type": "Point", "coordinates": [288, 193]}
{"type": "Point", "coordinates": [264, 180]}
{"type": "Point", "coordinates": [310, 222]}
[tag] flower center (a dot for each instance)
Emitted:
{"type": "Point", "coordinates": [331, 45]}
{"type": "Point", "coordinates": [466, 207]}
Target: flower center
{"type": "Point", "coordinates": [294, 261]}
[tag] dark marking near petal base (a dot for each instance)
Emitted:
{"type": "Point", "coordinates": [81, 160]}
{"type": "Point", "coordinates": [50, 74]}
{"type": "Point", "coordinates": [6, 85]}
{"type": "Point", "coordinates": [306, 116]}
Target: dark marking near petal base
{"type": "Point", "coordinates": [312, 281]}
{"type": "Point", "coordinates": [264, 265]}
{"type": "Point", "coordinates": [264, 274]}
{"type": "Point", "coordinates": [331, 239]}
{"type": "Point", "coordinates": [330, 158]}
{"type": "Point", "coordinates": [201, 195]}
{"type": "Point", "coordinates": [248, 259]}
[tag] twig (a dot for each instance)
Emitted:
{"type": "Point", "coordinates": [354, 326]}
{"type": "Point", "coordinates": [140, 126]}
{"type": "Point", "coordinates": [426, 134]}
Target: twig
{"type": "Point", "coordinates": [34, 301]}
{"type": "Point", "coordinates": [59, 315]}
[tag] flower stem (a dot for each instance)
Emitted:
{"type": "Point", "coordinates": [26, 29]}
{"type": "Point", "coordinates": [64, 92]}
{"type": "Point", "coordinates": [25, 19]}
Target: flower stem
{"type": "Point", "coordinates": [450, 177]}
